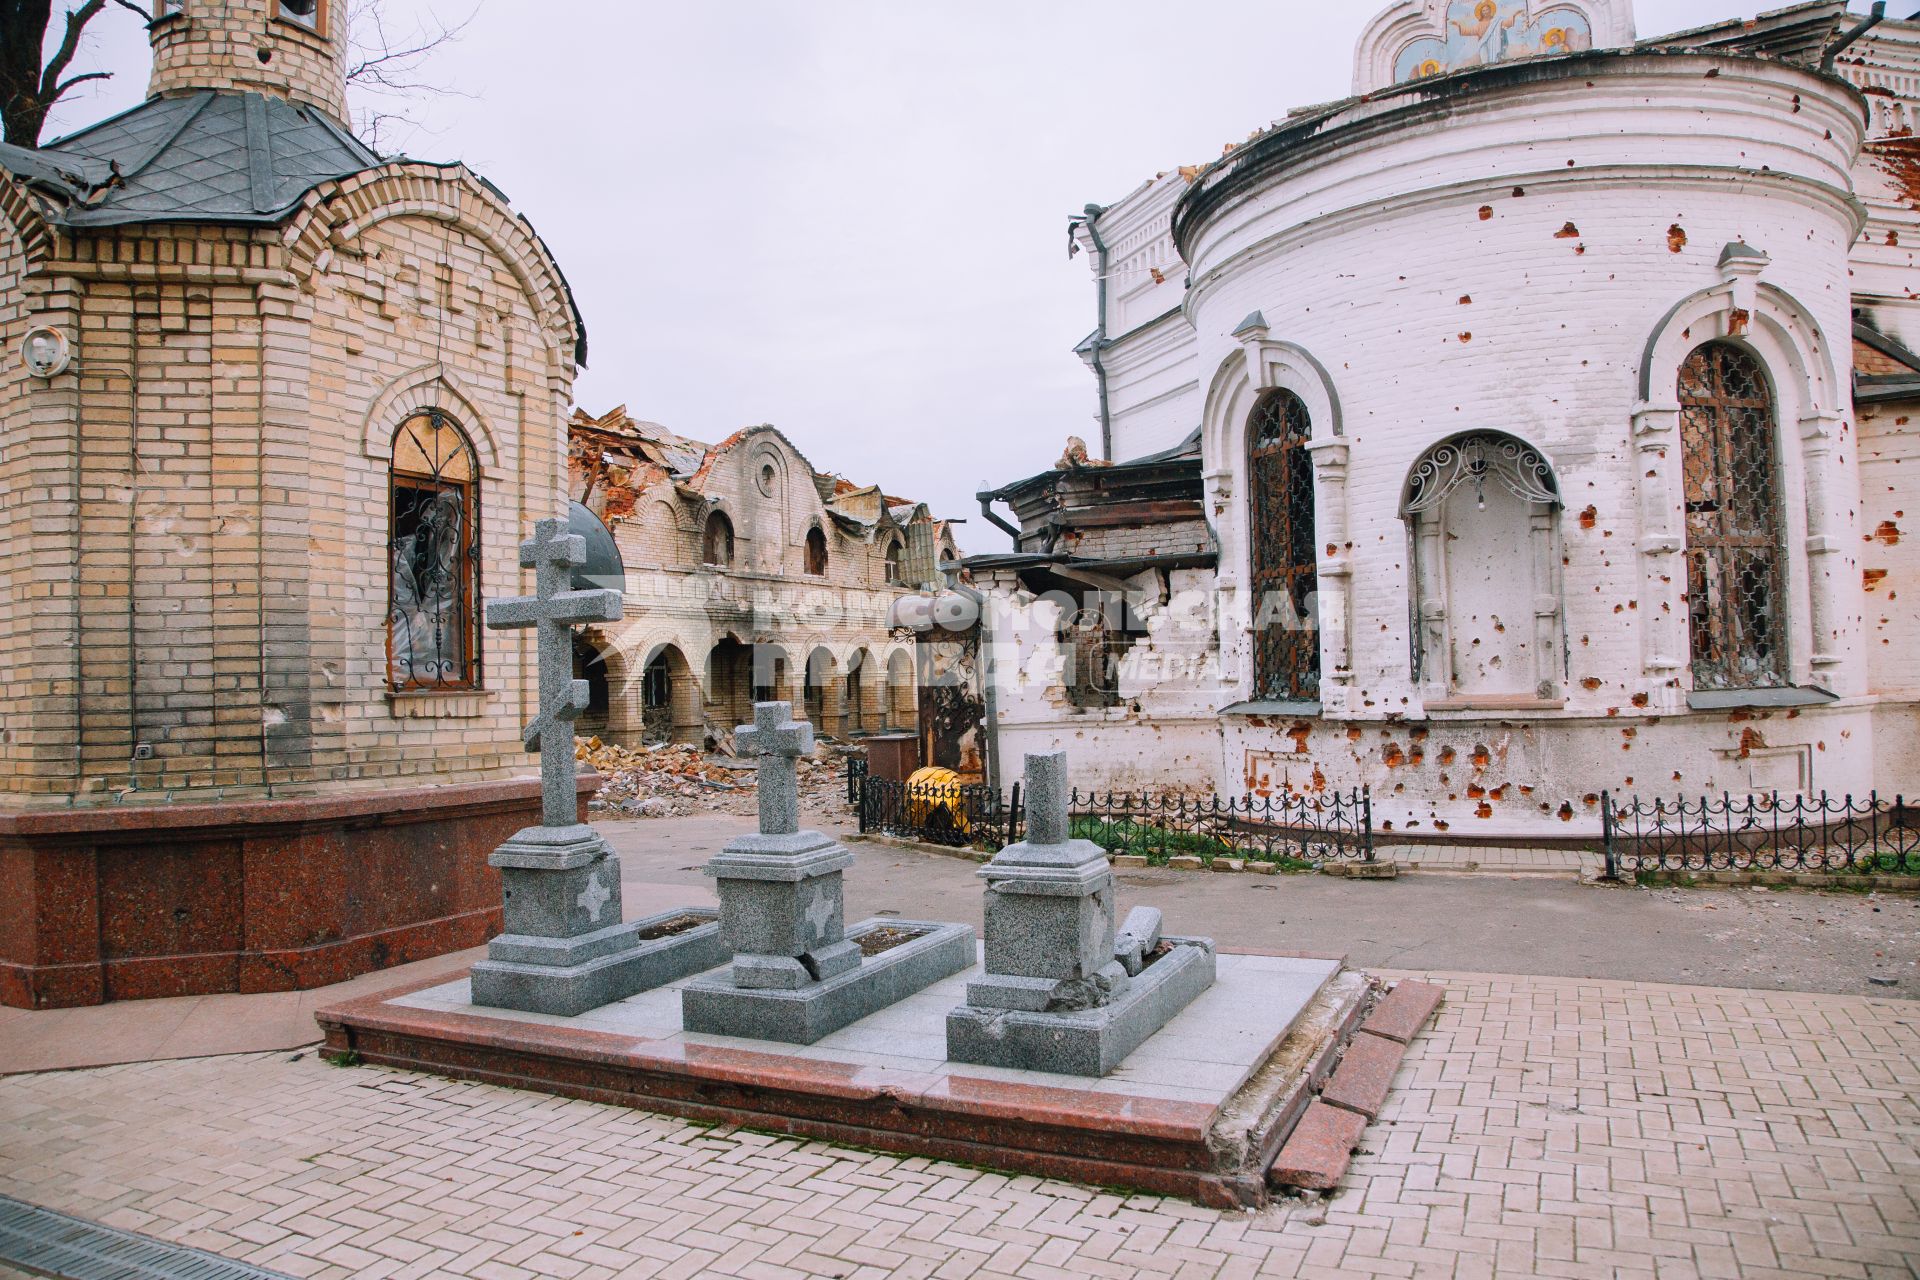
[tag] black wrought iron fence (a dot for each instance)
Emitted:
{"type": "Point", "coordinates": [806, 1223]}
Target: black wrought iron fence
{"type": "Point", "coordinates": [1288, 830]}
{"type": "Point", "coordinates": [1770, 832]}
{"type": "Point", "coordinates": [959, 815]}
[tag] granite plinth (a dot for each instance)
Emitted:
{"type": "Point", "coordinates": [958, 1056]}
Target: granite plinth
{"type": "Point", "coordinates": [597, 969]}
{"type": "Point", "coordinates": [1198, 1111]}
{"type": "Point", "coordinates": [1084, 1042]}
{"type": "Point", "coordinates": [144, 901]}
{"type": "Point", "coordinates": [720, 1005]}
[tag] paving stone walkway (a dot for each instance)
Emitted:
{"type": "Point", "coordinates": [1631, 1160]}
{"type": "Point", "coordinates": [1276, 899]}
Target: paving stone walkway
{"type": "Point", "coordinates": [1541, 1127]}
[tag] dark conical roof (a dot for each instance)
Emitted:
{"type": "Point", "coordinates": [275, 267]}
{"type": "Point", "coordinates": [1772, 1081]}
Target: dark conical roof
{"type": "Point", "coordinates": [212, 156]}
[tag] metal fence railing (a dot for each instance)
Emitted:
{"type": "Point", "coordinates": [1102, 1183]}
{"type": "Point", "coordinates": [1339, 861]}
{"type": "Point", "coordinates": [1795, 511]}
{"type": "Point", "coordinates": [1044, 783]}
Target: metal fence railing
{"type": "Point", "coordinates": [1289, 830]}
{"type": "Point", "coordinates": [1770, 832]}
{"type": "Point", "coordinates": [956, 814]}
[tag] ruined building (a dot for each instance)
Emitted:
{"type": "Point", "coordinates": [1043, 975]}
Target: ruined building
{"type": "Point", "coordinates": [274, 413]}
{"type": "Point", "coordinates": [750, 577]}
{"type": "Point", "coordinates": [1536, 421]}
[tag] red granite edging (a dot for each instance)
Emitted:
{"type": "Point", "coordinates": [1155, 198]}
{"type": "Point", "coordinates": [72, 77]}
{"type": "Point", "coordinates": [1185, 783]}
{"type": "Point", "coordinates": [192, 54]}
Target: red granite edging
{"type": "Point", "coordinates": [141, 902]}
{"type": "Point", "coordinates": [1316, 1156]}
{"type": "Point", "coordinates": [1147, 1144]}
{"type": "Point", "coordinates": [1318, 1152]}
{"type": "Point", "coordinates": [1144, 1144]}
{"type": "Point", "coordinates": [1405, 1010]}
{"type": "Point", "coordinates": [1365, 1075]}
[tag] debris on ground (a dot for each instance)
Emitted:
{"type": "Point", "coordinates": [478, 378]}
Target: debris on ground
{"type": "Point", "coordinates": [677, 781]}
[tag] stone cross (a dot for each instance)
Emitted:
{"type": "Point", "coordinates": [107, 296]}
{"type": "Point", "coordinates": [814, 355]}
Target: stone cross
{"type": "Point", "coordinates": [1047, 799]}
{"type": "Point", "coordinates": [552, 553]}
{"type": "Point", "coordinates": [779, 741]}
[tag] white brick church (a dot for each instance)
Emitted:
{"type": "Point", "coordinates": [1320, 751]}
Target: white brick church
{"type": "Point", "coordinates": [1535, 422]}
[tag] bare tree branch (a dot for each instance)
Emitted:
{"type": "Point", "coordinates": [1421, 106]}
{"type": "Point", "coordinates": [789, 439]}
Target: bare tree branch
{"type": "Point", "coordinates": [77, 20]}
{"type": "Point", "coordinates": [385, 64]}
{"type": "Point", "coordinates": [30, 84]}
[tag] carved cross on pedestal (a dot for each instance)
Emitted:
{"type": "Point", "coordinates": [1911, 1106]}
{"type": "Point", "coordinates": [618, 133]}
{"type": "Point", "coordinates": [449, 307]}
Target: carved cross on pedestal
{"type": "Point", "coordinates": [779, 741]}
{"type": "Point", "coordinates": [552, 553]}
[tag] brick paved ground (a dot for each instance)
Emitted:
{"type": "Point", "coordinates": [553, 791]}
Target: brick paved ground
{"type": "Point", "coordinates": [1541, 1127]}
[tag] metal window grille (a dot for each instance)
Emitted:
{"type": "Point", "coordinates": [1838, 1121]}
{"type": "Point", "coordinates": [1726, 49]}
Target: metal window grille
{"type": "Point", "coordinates": [1286, 636]}
{"type": "Point", "coordinates": [1735, 579]}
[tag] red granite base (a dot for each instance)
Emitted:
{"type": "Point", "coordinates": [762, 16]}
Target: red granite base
{"type": "Point", "coordinates": [1137, 1143]}
{"type": "Point", "coordinates": [142, 902]}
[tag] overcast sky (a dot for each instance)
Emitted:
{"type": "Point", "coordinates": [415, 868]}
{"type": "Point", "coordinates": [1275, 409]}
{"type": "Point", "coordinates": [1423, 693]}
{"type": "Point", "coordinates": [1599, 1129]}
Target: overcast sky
{"type": "Point", "coordinates": [848, 217]}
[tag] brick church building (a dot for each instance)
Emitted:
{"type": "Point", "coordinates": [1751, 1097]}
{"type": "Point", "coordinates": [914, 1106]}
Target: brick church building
{"type": "Point", "coordinates": [274, 413]}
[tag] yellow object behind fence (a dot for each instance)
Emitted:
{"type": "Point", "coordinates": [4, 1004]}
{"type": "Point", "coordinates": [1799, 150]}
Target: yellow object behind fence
{"type": "Point", "coordinates": [933, 793]}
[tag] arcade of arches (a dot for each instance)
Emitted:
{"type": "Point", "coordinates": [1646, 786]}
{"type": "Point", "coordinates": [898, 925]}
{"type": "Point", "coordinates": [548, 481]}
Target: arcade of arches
{"type": "Point", "coordinates": [667, 699]}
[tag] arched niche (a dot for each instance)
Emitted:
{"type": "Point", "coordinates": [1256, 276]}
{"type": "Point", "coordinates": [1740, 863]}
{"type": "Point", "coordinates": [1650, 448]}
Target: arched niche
{"type": "Point", "coordinates": [1483, 513]}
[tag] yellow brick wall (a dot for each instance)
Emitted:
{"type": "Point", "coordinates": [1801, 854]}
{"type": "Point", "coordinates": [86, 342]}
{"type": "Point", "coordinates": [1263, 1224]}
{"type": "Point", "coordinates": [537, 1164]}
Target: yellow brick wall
{"type": "Point", "coordinates": [219, 44]}
{"type": "Point", "coordinates": [198, 512]}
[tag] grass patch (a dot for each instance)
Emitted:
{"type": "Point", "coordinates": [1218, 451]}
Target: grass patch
{"type": "Point", "coordinates": [1127, 838]}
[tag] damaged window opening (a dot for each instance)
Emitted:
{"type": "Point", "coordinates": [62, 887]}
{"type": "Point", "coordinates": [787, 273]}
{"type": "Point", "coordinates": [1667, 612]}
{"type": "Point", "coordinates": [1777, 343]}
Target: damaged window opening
{"type": "Point", "coordinates": [434, 533]}
{"type": "Point", "coordinates": [1094, 640]}
{"type": "Point", "coordinates": [896, 552]}
{"type": "Point", "coordinates": [816, 553]}
{"type": "Point", "coordinates": [1735, 570]}
{"type": "Point", "coordinates": [717, 545]}
{"type": "Point", "coordinates": [1285, 569]}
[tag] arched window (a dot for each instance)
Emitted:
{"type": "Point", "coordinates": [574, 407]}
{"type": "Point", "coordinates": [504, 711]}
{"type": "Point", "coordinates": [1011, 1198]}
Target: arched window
{"type": "Point", "coordinates": [1286, 579]}
{"type": "Point", "coordinates": [717, 546]}
{"type": "Point", "coordinates": [896, 553]}
{"type": "Point", "coordinates": [1736, 582]}
{"type": "Point", "coordinates": [816, 553]}
{"type": "Point", "coordinates": [434, 539]}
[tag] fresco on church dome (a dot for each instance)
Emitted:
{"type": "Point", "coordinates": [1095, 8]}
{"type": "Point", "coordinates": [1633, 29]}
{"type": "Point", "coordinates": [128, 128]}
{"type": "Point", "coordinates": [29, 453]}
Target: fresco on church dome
{"type": "Point", "coordinates": [1482, 31]}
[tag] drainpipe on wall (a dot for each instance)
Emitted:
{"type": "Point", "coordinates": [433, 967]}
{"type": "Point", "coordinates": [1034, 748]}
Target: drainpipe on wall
{"type": "Point", "coordinates": [1846, 42]}
{"type": "Point", "coordinates": [986, 509]}
{"type": "Point", "coordinates": [1098, 343]}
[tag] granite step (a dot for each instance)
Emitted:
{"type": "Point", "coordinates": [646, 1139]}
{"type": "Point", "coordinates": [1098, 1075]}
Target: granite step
{"type": "Point", "coordinates": [1320, 1148]}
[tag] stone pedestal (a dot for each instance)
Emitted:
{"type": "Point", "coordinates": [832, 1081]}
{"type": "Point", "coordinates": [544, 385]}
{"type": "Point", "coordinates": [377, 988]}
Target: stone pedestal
{"type": "Point", "coordinates": [781, 910]}
{"type": "Point", "coordinates": [565, 949]}
{"type": "Point", "coordinates": [1055, 994]}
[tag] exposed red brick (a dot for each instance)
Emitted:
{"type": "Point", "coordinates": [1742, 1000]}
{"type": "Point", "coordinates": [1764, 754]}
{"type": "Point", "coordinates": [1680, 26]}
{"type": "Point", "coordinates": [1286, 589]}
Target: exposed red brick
{"type": "Point", "coordinates": [1316, 1156]}
{"type": "Point", "coordinates": [1365, 1075]}
{"type": "Point", "coordinates": [1405, 1010]}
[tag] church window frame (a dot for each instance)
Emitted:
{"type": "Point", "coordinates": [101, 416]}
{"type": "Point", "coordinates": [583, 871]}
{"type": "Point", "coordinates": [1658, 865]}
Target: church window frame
{"type": "Point", "coordinates": [1739, 629]}
{"type": "Point", "coordinates": [314, 23]}
{"type": "Point", "coordinates": [1282, 549]}
{"type": "Point", "coordinates": [433, 586]}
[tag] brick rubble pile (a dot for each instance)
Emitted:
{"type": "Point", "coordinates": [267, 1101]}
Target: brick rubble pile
{"type": "Point", "coordinates": [678, 781]}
